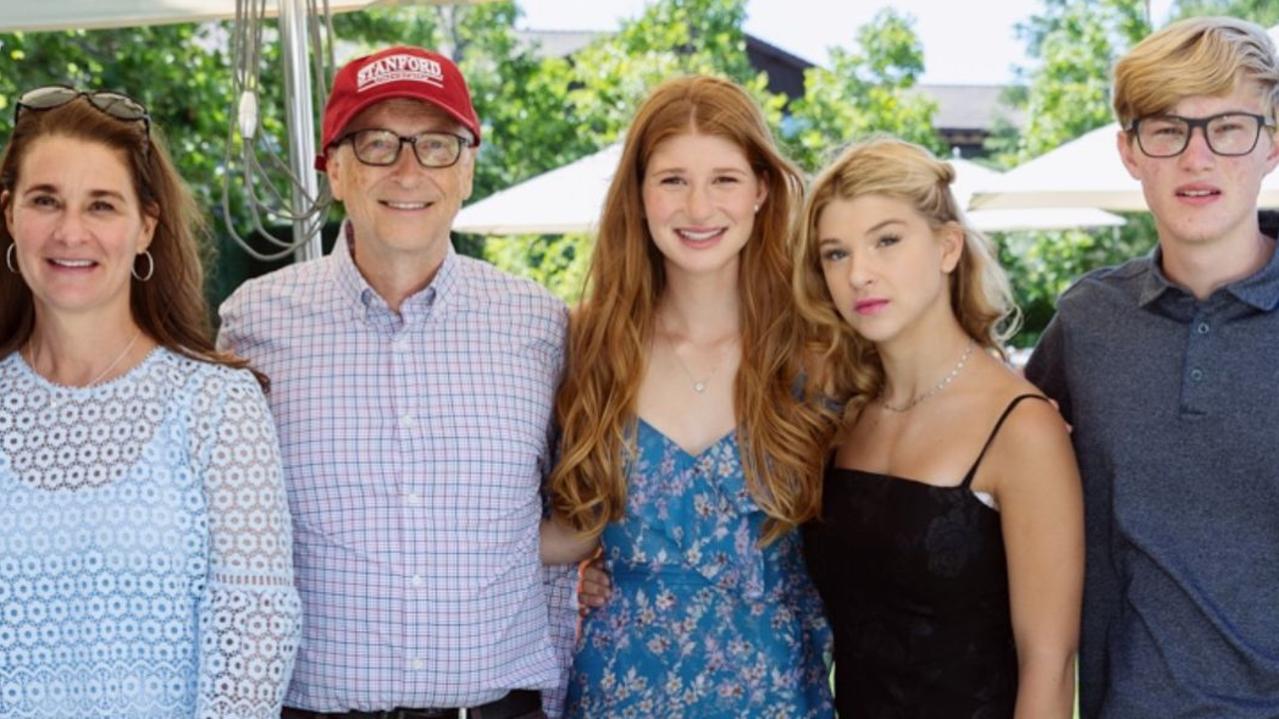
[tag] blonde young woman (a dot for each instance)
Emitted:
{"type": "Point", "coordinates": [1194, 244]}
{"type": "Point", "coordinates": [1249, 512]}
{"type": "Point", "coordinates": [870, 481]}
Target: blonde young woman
{"type": "Point", "coordinates": [949, 551]}
{"type": "Point", "coordinates": [684, 449]}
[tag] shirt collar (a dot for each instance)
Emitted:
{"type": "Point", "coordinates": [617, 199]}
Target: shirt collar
{"type": "Point", "coordinates": [1260, 289]}
{"type": "Point", "coordinates": [1156, 283]}
{"type": "Point", "coordinates": [368, 303]}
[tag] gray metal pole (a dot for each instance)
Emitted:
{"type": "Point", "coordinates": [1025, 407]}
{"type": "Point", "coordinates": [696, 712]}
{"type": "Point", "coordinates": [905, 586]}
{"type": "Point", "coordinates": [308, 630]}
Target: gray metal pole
{"type": "Point", "coordinates": [295, 54]}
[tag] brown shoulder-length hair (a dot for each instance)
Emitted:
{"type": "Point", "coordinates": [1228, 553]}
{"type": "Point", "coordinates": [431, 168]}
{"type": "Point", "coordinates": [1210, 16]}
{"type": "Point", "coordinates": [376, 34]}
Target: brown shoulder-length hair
{"type": "Point", "coordinates": [847, 366]}
{"type": "Point", "coordinates": [170, 307]}
{"type": "Point", "coordinates": [610, 330]}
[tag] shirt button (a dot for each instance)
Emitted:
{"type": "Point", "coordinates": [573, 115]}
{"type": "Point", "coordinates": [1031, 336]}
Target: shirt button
{"type": "Point", "coordinates": [1202, 328]}
{"type": "Point", "coordinates": [1196, 374]}
{"type": "Point", "coordinates": [417, 665]}
{"type": "Point", "coordinates": [418, 581]}
{"type": "Point", "coordinates": [413, 499]}
{"type": "Point", "coordinates": [400, 344]}
{"type": "Point", "coordinates": [406, 421]}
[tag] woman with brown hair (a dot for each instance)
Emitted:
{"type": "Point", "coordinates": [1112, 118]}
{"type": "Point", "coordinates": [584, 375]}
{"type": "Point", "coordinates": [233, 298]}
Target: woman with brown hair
{"type": "Point", "coordinates": [949, 551]}
{"type": "Point", "coordinates": [685, 450]}
{"type": "Point", "coordinates": [145, 552]}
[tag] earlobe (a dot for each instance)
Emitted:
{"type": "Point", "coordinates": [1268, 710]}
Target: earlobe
{"type": "Point", "coordinates": [1124, 141]}
{"type": "Point", "coordinates": [149, 223]}
{"type": "Point", "coordinates": [952, 238]}
{"type": "Point", "coordinates": [332, 165]}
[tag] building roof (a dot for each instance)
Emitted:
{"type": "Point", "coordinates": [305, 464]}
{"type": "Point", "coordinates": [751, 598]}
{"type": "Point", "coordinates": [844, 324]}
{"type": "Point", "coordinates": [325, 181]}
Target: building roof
{"type": "Point", "coordinates": [971, 107]}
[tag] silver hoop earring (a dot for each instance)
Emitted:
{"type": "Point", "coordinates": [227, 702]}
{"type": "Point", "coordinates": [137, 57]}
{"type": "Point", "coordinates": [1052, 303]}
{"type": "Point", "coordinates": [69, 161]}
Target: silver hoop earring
{"type": "Point", "coordinates": [150, 267]}
{"type": "Point", "coordinates": [8, 258]}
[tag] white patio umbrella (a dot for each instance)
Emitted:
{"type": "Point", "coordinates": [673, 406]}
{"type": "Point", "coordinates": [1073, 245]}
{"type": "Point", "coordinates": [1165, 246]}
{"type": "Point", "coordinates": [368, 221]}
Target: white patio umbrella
{"type": "Point", "coordinates": [564, 200]}
{"type": "Point", "coordinates": [970, 177]}
{"type": "Point", "coordinates": [569, 199]}
{"type": "Point", "coordinates": [1085, 172]}
{"type": "Point", "coordinates": [98, 14]}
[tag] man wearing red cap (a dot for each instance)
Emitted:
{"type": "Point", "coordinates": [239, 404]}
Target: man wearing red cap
{"type": "Point", "coordinates": [412, 388]}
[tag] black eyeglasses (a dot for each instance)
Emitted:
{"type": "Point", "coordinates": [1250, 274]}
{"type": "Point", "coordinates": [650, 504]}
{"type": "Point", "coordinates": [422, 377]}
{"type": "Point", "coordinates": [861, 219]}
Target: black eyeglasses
{"type": "Point", "coordinates": [1229, 134]}
{"type": "Point", "coordinates": [382, 147]}
{"type": "Point", "coordinates": [121, 107]}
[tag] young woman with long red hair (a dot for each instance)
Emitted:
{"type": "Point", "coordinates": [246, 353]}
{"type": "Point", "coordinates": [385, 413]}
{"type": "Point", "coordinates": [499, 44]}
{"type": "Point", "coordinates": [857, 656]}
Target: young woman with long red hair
{"type": "Point", "coordinates": [685, 450]}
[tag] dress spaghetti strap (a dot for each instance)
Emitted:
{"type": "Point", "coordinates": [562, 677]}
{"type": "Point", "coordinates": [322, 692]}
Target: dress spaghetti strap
{"type": "Point", "coordinates": [968, 478]}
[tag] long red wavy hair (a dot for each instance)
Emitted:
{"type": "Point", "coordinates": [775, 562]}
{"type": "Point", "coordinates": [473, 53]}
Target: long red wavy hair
{"type": "Point", "coordinates": [610, 331]}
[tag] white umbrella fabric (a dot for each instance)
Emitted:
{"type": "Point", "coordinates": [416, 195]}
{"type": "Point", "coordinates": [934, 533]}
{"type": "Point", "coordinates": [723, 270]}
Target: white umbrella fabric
{"type": "Point", "coordinates": [970, 176]}
{"type": "Point", "coordinates": [565, 200]}
{"type": "Point", "coordinates": [568, 199]}
{"type": "Point", "coordinates": [98, 14]}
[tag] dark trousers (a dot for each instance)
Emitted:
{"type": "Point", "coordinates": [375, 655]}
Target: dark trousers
{"type": "Point", "coordinates": [517, 704]}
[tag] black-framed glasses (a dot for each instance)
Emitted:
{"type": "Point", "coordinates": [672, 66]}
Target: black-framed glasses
{"type": "Point", "coordinates": [117, 105]}
{"type": "Point", "coordinates": [382, 147]}
{"type": "Point", "coordinates": [1229, 134]}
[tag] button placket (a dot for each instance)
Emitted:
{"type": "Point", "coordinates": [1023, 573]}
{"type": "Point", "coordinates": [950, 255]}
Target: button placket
{"type": "Point", "coordinates": [1195, 383]}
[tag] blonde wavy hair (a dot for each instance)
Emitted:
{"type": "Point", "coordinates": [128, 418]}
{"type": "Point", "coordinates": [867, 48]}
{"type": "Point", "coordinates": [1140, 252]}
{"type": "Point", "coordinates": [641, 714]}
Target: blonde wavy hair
{"type": "Point", "coordinates": [610, 330]}
{"type": "Point", "coordinates": [848, 367]}
{"type": "Point", "coordinates": [1196, 56]}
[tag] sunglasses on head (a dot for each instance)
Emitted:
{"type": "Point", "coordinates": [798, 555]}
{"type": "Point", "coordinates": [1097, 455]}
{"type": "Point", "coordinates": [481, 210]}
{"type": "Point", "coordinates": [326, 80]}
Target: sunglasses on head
{"type": "Point", "coordinates": [121, 107]}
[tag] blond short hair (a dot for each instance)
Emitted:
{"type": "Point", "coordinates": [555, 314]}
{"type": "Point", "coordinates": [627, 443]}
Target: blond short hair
{"type": "Point", "coordinates": [1195, 56]}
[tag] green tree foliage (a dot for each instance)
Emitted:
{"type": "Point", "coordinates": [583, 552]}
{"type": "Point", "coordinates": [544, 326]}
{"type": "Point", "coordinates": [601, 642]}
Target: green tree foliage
{"type": "Point", "coordinates": [1263, 12]}
{"type": "Point", "coordinates": [867, 90]}
{"type": "Point", "coordinates": [180, 72]}
{"type": "Point", "coordinates": [1075, 42]}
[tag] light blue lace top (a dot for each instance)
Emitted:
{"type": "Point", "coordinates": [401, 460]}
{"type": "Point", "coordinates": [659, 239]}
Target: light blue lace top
{"type": "Point", "coordinates": [145, 551]}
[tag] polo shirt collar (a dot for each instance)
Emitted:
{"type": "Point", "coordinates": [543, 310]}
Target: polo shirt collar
{"type": "Point", "coordinates": [1259, 290]}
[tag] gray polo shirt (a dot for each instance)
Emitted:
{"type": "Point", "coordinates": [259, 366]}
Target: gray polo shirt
{"type": "Point", "coordinates": [1175, 409]}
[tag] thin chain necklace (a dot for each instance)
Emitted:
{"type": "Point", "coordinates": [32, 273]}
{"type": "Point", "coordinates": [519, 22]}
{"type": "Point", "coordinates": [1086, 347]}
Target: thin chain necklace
{"type": "Point", "coordinates": [699, 386]}
{"type": "Point", "coordinates": [31, 360]}
{"type": "Point", "coordinates": [963, 360]}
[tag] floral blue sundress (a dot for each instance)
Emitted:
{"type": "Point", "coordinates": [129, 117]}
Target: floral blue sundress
{"type": "Point", "coordinates": [702, 621]}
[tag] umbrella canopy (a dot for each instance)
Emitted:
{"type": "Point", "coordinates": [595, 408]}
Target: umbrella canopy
{"type": "Point", "coordinates": [969, 177]}
{"type": "Point", "coordinates": [96, 14]}
{"type": "Point", "coordinates": [568, 199]}
{"type": "Point", "coordinates": [1085, 172]}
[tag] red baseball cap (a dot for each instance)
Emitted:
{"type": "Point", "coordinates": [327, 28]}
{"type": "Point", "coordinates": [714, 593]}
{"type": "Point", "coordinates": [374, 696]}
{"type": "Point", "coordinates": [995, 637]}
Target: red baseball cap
{"type": "Point", "coordinates": [401, 71]}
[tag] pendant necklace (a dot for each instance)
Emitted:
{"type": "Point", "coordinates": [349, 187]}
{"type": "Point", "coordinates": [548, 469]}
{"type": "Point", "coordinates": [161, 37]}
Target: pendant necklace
{"type": "Point", "coordinates": [699, 386]}
{"type": "Point", "coordinates": [31, 360]}
{"type": "Point", "coordinates": [936, 388]}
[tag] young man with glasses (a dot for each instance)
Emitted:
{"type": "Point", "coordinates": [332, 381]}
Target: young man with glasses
{"type": "Point", "coordinates": [1168, 369]}
{"type": "Point", "coordinates": [412, 388]}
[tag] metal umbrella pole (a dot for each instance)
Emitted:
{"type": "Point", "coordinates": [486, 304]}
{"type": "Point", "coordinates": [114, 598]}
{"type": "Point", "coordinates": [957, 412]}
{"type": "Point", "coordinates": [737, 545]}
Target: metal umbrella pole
{"type": "Point", "coordinates": [295, 54]}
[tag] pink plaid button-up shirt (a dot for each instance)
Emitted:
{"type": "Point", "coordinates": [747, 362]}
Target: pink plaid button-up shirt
{"type": "Point", "coordinates": [414, 448]}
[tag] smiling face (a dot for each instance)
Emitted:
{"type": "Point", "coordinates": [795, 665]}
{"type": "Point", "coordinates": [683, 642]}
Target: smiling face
{"type": "Point", "coordinates": [1199, 197]}
{"type": "Point", "coordinates": [885, 267]}
{"type": "Point", "coordinates": [403, 208]}
{"type": "Point", "coordinates": [700, 196]}
{"type": "Point", "coordinates": [78, 227]}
